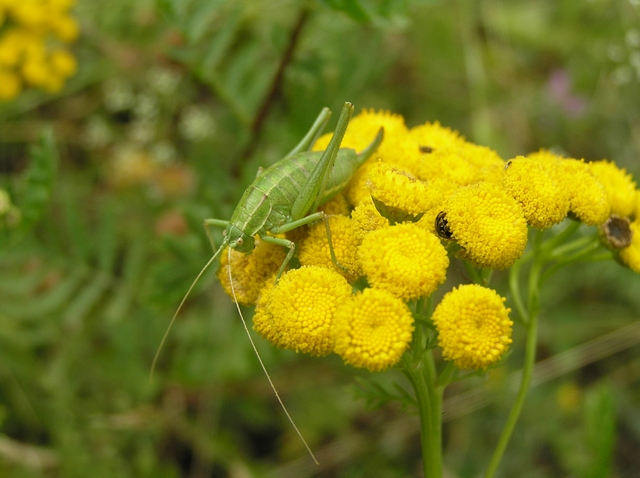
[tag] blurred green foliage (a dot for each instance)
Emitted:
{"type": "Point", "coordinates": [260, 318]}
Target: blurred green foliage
{"type": "Point", "coordinates": [176, 105]}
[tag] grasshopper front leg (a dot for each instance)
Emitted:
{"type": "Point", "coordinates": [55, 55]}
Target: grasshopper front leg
{"type": "Point", "coordinates": [311, 218]}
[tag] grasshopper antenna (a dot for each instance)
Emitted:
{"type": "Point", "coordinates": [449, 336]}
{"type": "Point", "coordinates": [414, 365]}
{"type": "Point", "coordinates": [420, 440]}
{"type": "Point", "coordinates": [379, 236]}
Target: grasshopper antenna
{"type": "Point", "coordinates": [166, 334]}
{"type": "Point", "coordinates": [264, 369]}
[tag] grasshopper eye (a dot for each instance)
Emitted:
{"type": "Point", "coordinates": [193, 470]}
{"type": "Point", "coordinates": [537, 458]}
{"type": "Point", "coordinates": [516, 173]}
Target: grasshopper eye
{"type": "Point", "coordinates": [442, 226]}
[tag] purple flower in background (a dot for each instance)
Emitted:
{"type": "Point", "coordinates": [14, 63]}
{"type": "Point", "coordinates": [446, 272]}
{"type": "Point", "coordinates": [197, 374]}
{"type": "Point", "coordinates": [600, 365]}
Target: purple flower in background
{"type": "Point", "coordinates": [559, 88]}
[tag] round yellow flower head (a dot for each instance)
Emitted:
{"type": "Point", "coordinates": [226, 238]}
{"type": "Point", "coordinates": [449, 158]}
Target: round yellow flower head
{"type": "Point", "coordinates": [251, 271]}
{"type": "Point", "coordinates": [399, 189]}
{"type": "Point", "coordinates": [401, 150]}
{"type": "Point", "coordinates": [487, 223]}
{"type": "Point", "coordinates": [482, 157]}
{"type": "Point", "coordinates": [372, 330]}
{"type": "Point", "coordinates": [588, 199]}
{"type": "Point", "coordinates": [450, 165]}
{"type": "Point", "coordinates": [366, 218]}
{"type": "Point", "coordinates": [619, 186]}
{"type": "Point", "coordinates": [297, 313]}
{"type": "Point", "coordinates": [542, 198]}
{"type": "Point", "coordinates": [363, 128]}
{"type": "Point", "coordinates": [473, 326]}
{"type": "Point", "coordinates": [434, 137]}
{"type": "Point", "coordinates": [314, 250]}
{"type": "Point", "coordinates": [630, 256]}
{"type": "Point", "coordinates": [10, 85]}
{"type": "Point", "coordinates": [405, 260]}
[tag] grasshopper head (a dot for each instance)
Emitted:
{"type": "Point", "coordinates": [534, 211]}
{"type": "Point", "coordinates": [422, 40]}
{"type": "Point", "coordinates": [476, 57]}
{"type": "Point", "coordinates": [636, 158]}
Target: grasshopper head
{"type": "Point", "coordinates": [238, 240]}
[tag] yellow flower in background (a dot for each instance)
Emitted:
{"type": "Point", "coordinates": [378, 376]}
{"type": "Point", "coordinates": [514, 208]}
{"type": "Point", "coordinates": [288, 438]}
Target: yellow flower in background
{"type": "Point", "coordinates": [405, 260]}
{"type": "Point", "coordinates": [297, 313]}
{"type": "Point", "coordinates": [250, 272]}
{"type": "Point", "coordinates": [372, 330]}
{"type": "Point", "coordinates": [630, 255]}
{"type": "Point", "coordinates": [588, 199]}
{"type": "Point", "coordinates": [535, 186]}
{"type": "Point", "coordinates": [473, 326]}
{"type": "Point", "coordinates": [31, 42]}
{"type": "Point", "coordinates": [357, 191]}
{"type": "Point", "coordinates": [619, 185]}
{"type": "Point", "coordinates": [488, 224]}
{"type": "Point", "coordinates": [10, 85]}
{"type": "Point", "coordinates": [314, 250]}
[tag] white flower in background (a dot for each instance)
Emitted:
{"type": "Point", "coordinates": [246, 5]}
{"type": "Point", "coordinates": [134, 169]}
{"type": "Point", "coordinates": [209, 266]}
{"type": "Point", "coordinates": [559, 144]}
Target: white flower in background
{"type": "Point", "coordinates": [196, 123]}
{"type": "Point", "coordinates": [164, 152]}
{"type": "Point", "coordinates": [97, 132]}
{"type": "Point", "coordinates": [163, 80]}
{"type": "Point", "coordinates": [118, 94]}
{"type": "Point", "coordinates": [146, 107]}
{"type": "Point", "coordinates": [142, 131]}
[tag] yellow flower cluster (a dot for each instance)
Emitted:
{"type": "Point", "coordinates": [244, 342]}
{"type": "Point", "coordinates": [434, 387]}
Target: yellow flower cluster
{"type": "Point", "coordinates": [32, 38]}
{"type": "Point", "coordinates": [250, 272]}
{"type": "Point", "coordinates": [425, 188]}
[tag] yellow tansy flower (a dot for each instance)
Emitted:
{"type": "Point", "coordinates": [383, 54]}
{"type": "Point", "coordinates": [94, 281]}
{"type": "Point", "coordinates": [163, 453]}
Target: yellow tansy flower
{"type": "Point", "coordinates": [363, 128]}
{"type": "Point", "coordinates": [630, 256]}
{"type": "Point", "coordinates": [488, 224]}
{"type": "Point", "coordinates": [251, 271]}
{"type": "Point", "coordinates": [405, 260]}
{"type": "Point", "coordinates": [532, 183]}
{"type": "Point", "coordinates": [298, 312]}
{"type": "Point", "coordinates": [338, 205]}
{"type": "Point", "coordinates": [366, 218]}
{"type": "Point", "coordinates": [399, 189]}
{"type": "Point", "coordinates": [619, 186]}
{"type": "Point", "coordinates": [314, 250]}
{"type": "Point", "coordinates": [10, 85]}
{"type": "Point", "coordinates": [432, 137]}
{"type": "Point", "coordinates": [588, 199]}
{"type": "Point", "coordinates": [372, 330]}
{"type": "Point", "coordinates": [29, 45]}
{"type": "Point", "coordinates": [473, 326]}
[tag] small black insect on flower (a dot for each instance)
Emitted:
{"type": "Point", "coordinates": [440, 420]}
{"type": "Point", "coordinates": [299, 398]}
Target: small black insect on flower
{"type": "Point", "coordinates": [442, 226]}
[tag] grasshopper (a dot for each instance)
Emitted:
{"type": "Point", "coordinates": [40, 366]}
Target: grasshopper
{"type": "Point", "coordinates": [282, 198]}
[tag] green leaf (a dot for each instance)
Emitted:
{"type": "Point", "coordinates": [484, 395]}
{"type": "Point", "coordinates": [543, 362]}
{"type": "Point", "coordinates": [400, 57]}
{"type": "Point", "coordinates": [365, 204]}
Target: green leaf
{"type": "Point", "coordinates": [600, 424]}
{"type": "Point", "coordinates": [43, 162]}
{"type": "Point", "coordinates": [353, 8]}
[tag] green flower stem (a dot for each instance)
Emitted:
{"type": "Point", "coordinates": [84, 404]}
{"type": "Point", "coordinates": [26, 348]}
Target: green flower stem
{"type": "Point", "coordinates": [582, 242]}
{"type": "Point", "coordinates": [422, 375]}
{"type": "Point", "coordinates": [514, 287]}
{"type": "Point", "coordinates": [568, 231]}
{"type": "Point", "coordinates": [527, 372]}
{"type": "Point", "coordinates": [529, 358]}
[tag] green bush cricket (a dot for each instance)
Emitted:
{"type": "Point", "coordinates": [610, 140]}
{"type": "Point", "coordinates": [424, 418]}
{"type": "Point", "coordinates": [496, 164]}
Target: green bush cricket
{"type": "Point", "coordinates": [282, 198]}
